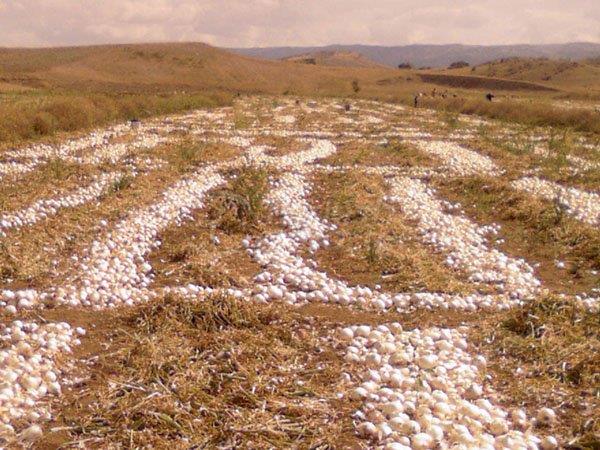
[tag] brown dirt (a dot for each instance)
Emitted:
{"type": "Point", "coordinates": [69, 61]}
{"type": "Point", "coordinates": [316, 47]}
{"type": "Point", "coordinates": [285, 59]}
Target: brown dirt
{"type": "Point", "coordinates": [470, 82]}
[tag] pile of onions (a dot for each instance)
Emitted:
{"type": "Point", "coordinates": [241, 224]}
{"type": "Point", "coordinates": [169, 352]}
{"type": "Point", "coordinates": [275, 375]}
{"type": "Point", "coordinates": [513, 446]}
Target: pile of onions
{"type": "Point", "coordinates": [459, 160]}
{"type": "Point", "coordinates": [582, 205]}
{"type": "Point", "coordinates": [44, 208]}
{"type": "Point", "coordinates": [422, 389]}
{"type": "Point", "coordinates": [462, 240]}
{"type": "Point", "coordinates": [31, 368]}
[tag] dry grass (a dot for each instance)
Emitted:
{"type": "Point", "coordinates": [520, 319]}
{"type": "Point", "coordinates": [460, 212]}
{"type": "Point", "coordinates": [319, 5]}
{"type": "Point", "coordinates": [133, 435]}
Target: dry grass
{"type": "Point", "coordinates": [208, 249]}
{"type": "Point", "coordinates": [547, 353]}
{"type": "Point", "coordinates": [537, 112]}
{"type": "Point", "coordinates": [516, 155]}
{"type": "Point", "coordinates": [225, 373]}
{"type": "Point", "coordinates": [218, 373]}
{"type": "Point", "coordinates": [34, 256]}
{"type": "Point", "coordinates": [45, 113]}
{"type": "Point", "coordinates": [396, 153]}
{"type": "Point", "coordinates": [67, 89]}
{"type": "Point", "coordinates": [188, 154]}
{"type": "Point", "coordinates": [535, 229]}
{"type": "Point", "coordinates": [374, 244]}
{"type": "Point", "coordinates": [44, 182]}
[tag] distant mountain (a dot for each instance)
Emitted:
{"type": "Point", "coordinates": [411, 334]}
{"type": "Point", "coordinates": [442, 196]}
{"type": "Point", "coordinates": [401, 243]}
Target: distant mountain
{"type": "Point", "coordinates": [436, 55]}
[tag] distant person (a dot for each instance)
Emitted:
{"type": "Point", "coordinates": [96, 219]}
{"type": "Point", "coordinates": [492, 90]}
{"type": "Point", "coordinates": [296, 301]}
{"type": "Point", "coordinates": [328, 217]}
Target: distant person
{"type": "Point", "coordinates": [416, 100]}
{"type": "Point", "coordinates": [489, 96]}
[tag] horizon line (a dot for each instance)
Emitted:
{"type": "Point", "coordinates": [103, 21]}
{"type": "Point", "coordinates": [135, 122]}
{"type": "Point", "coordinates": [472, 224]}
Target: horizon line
{"type": "Point", "coordinates": [53, 46]}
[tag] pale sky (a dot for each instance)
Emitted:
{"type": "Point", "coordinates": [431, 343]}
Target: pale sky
{"type": "Point", "coordinates": [248, 23]}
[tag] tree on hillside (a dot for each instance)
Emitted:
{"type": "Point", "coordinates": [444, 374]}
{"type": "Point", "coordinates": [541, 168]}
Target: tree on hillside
{"type": "Point", "coordinates": [458, 65]}
{"type": "Point", "coordinates": [404, 65]}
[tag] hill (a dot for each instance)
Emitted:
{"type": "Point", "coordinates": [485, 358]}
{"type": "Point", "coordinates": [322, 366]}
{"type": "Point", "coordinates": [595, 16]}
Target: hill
{"type": "Point", "coordinates": [159, 67]}
{"type": "Point", "coordinates": [334, 58]}
{"type": "Point", "coordinates": [560, 73]}
{"type": "Point", "coordinates": [437, 55]}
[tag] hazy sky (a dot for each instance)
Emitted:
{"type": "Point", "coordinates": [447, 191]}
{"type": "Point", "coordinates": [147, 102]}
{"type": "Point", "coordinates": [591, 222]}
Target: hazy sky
{"type": "Point", "coordinates": [246, 23]}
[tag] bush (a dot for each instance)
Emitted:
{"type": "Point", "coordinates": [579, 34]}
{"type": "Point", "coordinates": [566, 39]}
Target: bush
{"type": "Point", "coordinates": [44, 123]}
{"type": "Point", "coordinates": [458, 65]}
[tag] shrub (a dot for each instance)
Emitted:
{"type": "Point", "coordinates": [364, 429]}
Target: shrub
{"type": "Point", "coordinates": [458, 65]}
{"type": "Point", "coordinates": [44, 123]}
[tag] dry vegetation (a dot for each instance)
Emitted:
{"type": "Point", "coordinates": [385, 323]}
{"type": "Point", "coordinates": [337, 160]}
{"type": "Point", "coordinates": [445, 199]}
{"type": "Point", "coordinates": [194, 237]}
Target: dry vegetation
{"type": "Point", "coordinates": [227, 373]}
{"type": "Point", "coordinates": [373, 243]}
{"type": "Point", "coordinates": [397, 154]}
{"type": "Point", "coordinates": [221, 373]}
{"type": "Point", "coordinates": [22, 264]}
{"type": "Point", "coordinates": [45, 112]}
{"type": "Point", "coordinates": [532, 112]}
{"type": "Point", "coordinates": [536, 229]}
{"type": "Point", "coordinates": [516, 156]}
{"type": "Point", "coordinates": [55, 176]}
{"type": "Point", "coordinates": [46, 91]}
{"type": "Point", "coordinates": [208, 250]}
{"type": "Point", "coordinates": [547, 352]}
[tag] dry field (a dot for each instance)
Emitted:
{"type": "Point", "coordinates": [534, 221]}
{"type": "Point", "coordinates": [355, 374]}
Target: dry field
{"type": "Point", "coordinates": [293, 273]}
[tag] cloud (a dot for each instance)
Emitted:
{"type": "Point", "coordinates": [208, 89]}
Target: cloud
{"type": "Point", "coordinates": [243, 23]}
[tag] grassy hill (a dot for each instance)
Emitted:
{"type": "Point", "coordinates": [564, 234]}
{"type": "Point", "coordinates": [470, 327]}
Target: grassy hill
{"type": "Point", "coordinates": [164, 67]}
{"type": "Point", "coordinates": [334, 58]}
{"type": "Point", "coordinates": [53, 89]}
{"type": "Point", "coordinates": [562, 74]}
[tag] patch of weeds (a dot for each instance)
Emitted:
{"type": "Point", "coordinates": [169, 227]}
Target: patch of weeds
{"type": "Point", "coordinates": [450, 119]}
{"type": "Point", "coordinates": [241, 121]}
{"type": "Point", "coordinates": [120, 184]}
{"type": "Point", "coordinates": [372, 252]}
{"type": "Point", "coordinates": [240, 206]}
{"type": "Point", "coordinates": [560, 146]}
{"type": "Point", "coordinates": [58, 169]}
{"type": "Point", "coordinates": [216, 313]}
{"type": "Point", "coordinates": [188, 153]}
